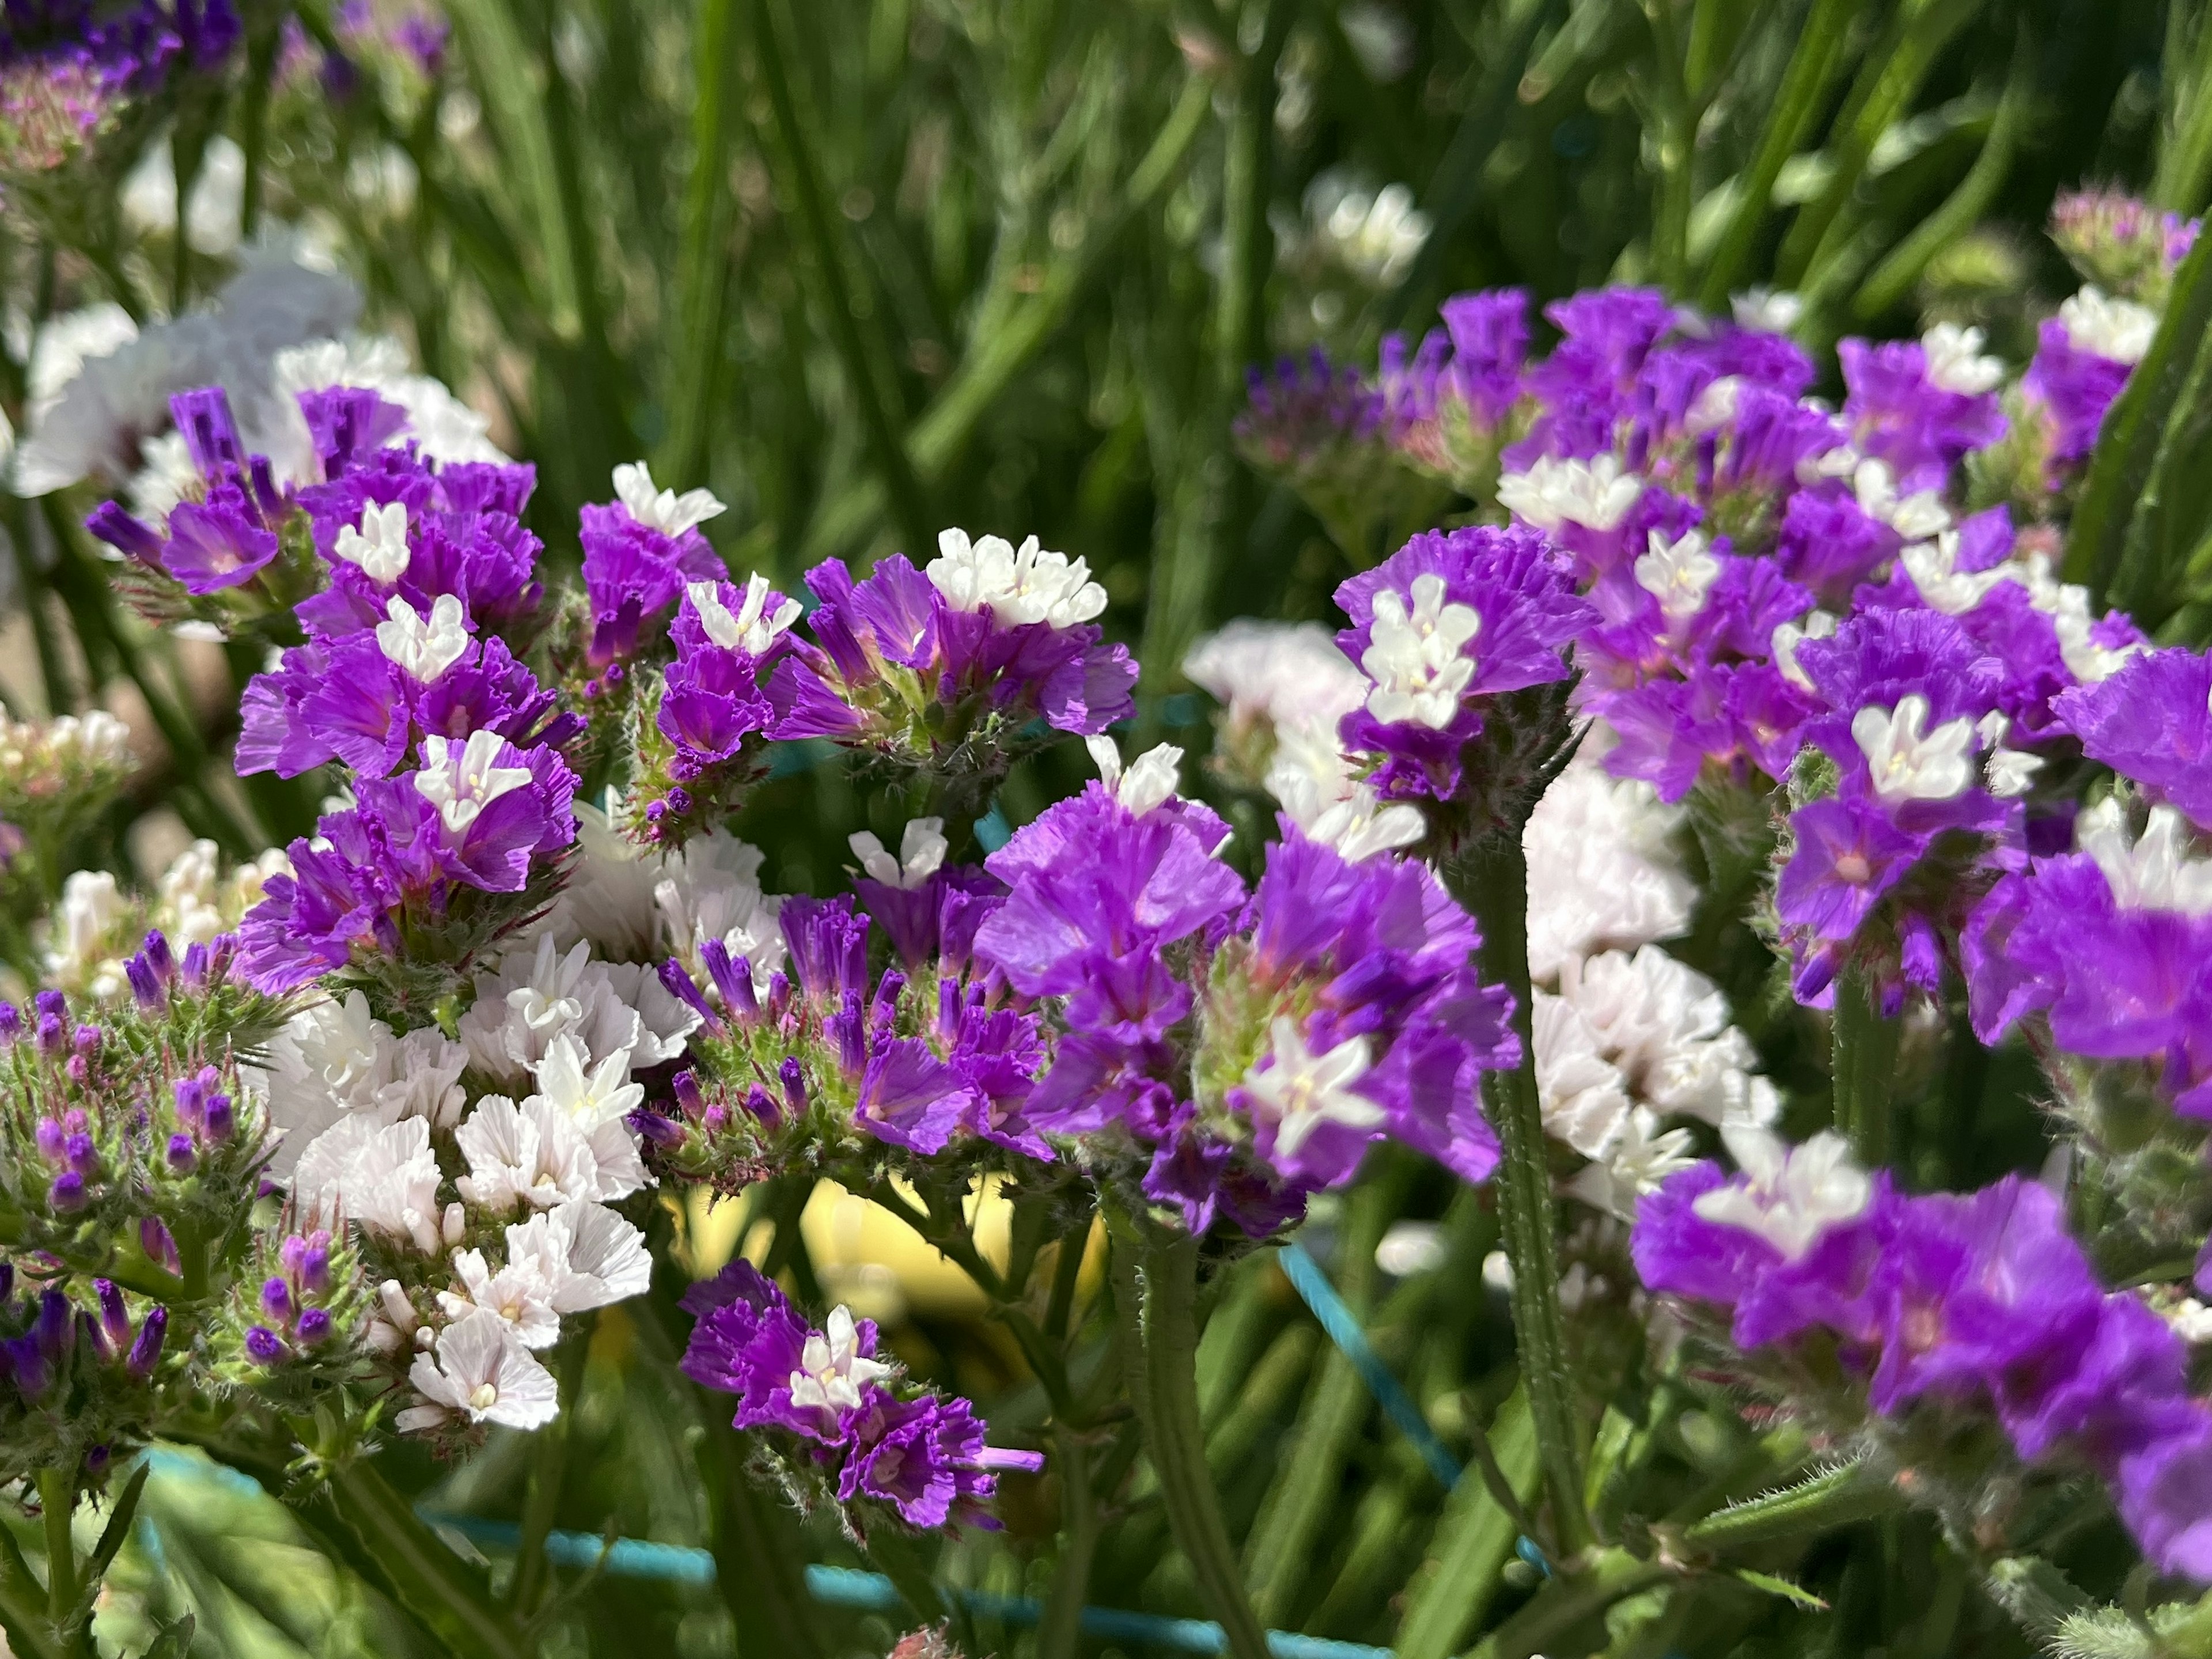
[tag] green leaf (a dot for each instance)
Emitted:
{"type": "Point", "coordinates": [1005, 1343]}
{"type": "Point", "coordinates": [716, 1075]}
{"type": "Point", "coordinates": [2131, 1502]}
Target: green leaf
{"type": "Point", "coordinates": [1783, 1587]}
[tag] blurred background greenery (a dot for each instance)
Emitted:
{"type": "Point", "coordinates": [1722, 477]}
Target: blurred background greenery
{"type": "Point", "coordinates": [868, 270]}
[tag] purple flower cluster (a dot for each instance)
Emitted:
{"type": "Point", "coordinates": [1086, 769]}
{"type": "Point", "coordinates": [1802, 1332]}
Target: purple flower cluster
{"type": "Point", "coordinates": [301, 1302]}
{"type": "Point", "coordinates": [870, 1445]}
{"type": "Point", "coordinates": [1238, 1051]}
{"type": "Point", "coordinates": [945, 671]}
{"type": "Point", "coordinates": [133, 48]}
{"type": "Point", "coordinates": [49, 1347]}
{"type": "Point", "coordinates": [915, 1057]}
{"type": "Point", "coordinates": [1973, 1303]}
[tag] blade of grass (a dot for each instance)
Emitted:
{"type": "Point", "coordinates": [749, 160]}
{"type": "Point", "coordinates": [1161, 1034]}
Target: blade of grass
{"type": "Point", "coordinates": [1446, 1597]}
{"type": "Point", "coordinates": [704, 263]}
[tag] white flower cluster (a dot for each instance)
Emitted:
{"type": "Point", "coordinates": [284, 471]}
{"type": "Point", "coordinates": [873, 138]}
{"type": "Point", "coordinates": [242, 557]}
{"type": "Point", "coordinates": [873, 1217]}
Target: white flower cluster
{"type": "Point", "coordinates": [103, 408]}
{"type": "Point", "coordinates": [2117, 329]}
{"type": "Point", "coordinates": [97, 925]}
{"type": "Point", "coordinates": [1017, 585]}
{"type": "Point", "coordinates": [636, 905]}
{"type": "Point", "coordinates": [1626, 1035]}
{"type": "Point", "coordinates": [35, 754]}
{"type": "Point", "coordinates": [1285, 686]}
{"type": "Point", "coordinates": [1595, 494]}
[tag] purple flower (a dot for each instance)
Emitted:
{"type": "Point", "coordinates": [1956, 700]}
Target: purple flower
{"type": "Point", "coordinates": [2150, 722]}
{"type": "Point", "coordinates": [1452, 619]}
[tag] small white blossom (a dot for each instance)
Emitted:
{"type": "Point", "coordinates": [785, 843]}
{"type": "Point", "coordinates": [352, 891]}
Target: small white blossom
{"type": "Point", "coordinates": [537, 1157]}
{"type": "Point", "coordinates": [923, 846]}
{"type": "Point", "coordinates": [1766, 310]}
{"type": "Point", "coordinates": [2009, 774]}
{"type": "Point", "coordinates": [79, 947]}
{"type": "Point", "coordinates": [423, 647]}
{"type": "Point", "coordinates": [1300, 1090]}
{"type": "Point", "coordinates": [589, 1255]}
{"type": "Point", "coordinates": [1788, 636]}
{"type": "Point", "coordinates": [1790, 1196]}
{"type": "Point", "coordinates": [461, 779]}
{"type": "Point", "coordinates": [1604, 872]}
{"type": "Point", "coordinates": [1031, 584]}
{"type": "Point", "coordinates": [379, 546]}
{"type": "Point", "coordinates": [1907, 760]}
{"type": "Point", "coordinates": [664, 510]}
{"type": "Point", "coordinates": [1360, 826]}
{"type": "Point", "coordinates": [1595, 494]}
{"type": "Point", "coordinates": [1408, 1247]}
{"type": "Point", "coordinates": [1933, 567]}
{"type": "Point", "coordinates": [1416, 654]}
{"type": "Point", "coordinates": [1678, 573]}
{"type": "Point", "coordinates": [383, 1177]}
{"type": "Point", "coordinates": [603, 1095]}
{"type": "Point", "coordinates": [1714, 407]}
{"type": "Point", "coordinates": [1956, 362]}
{"type": "Point", "coordinates": [1150, 781]}
{"type": "Point", "coordinates": [482, 1372]}
{"type": "Point", "coordinates": [1291, 675]}
{"type": "Point", "coordinates": [833, 1373]}
{"type": "Point", "coordinates": [1917, 517]}
{"type": "Point", "coordinates": [1636, 1162]}
{"type": "Point", "coordinates": [517, 1292]}
{"type": "Point", "coordinates": [2153, 873]}
{"type": "Point", "coordinates": [2119, 330]}
{"type": "Point", "coordinates": [752, 627]}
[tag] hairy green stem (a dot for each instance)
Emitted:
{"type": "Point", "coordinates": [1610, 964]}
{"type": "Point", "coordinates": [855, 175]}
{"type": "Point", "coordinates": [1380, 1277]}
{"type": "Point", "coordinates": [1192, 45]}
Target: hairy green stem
{"type": "Point", "coordinates": [1835, 1499]}
{"type": "Point", "coordinates": [1059, 1631]}
{"type": "Point", "coordinates": [1156, 1298]}
{"type": "Point", "coordinates": [58, 1500]}
{"type": "Point", "coordinates": [1865, 1067]}
{"type": "Point", "coordinates": [1490, 879]}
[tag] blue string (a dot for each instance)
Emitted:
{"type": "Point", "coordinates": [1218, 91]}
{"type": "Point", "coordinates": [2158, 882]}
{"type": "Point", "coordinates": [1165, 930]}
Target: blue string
{"type": "Point", "coordinates": [1343, 1328]}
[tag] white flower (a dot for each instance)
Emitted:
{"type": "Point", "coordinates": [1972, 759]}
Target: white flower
{"type": "Point", "coordinates": [1410, 1246]}
{"type": "Point", "coordinates": [1665, 1026]}
{"type": "Point", "coordinates": [1788, 636]}
{"type": "Point", "coordinates": [440, 425]}
{"type": "Point", "coordinates": [588, 1255]}
{"type": "Point", "coordinates": [1595, 494]}
{"type": "Point", "coordinates": [1029, 586]}
{"type": "Point", "coordinates": [711, 890]}
{"type": "Point", "coordinates": [2067, 603]}
{"type": "Point", "coordinates": [383, 1177]}
{"type": "Point", "coordinates": [461, 779]}
{"type": "Point", "coordinates": [481, 1372]}
{"type": "Point", "coordinates": [1767, 311]}
{"type": "Point", "coordinates": [664, 510]}
{"type": "Point", "coordinates": [92, 909]}
{"type": "Point", "coordinates": [379, 548]}
{"type": "Point", "coordinates": [832, 1372]}
{"type": "Point", "coordinates": [1678, 573]}
{"type": "Point", "coordinates": [609, 900]}
{"type": "Point", "coordinates": [2191, 1321]}
{"type": "Point", "coordinates": [603, 1095]}
{"type": "Point", "coordinates": [517, 1293]}
{"type": "Point", "coordinates": [2153, 873]}
{"type": "Point", "coordinates": [1933, 567]}
{"type": "Point", "coordinates": [1714, 407]}
{"type": "Point", "coordinates": [214, 211]}
{"type": "Point", "coordinates": [1955, 363]}
{"type": "Point", "coordinates": [423, 647]}
{"type": "Point", "coordinates": [1909, 761]}
{"type": "Point", "coordinates": [187, 910]}
{"type": "Point", "coordinates": [1638, 1161]}
{"type": "Point", "coordinates": [1299, 1090]}
{"type": "Point", "coordinates": [1583, 1095]}
{"type": "Point", "coordinates": [1360, 826]}
{"type": "Point", "coordinates": [1790, 1195]}
{"type": "Point", "coordinates": [1603, 872]}
{"type": "Point", "coordinates": [1916, 517]}
{"type": "Point", "coordinates": [333, 1060]}
{"type": "Point", "coordinates": [752, 628]}
{"type": "Point", "coordinates": [2009, 774]}
{"type": "Point", "coordinates": [1417, 656]}
{"type": "Point", "coordinates": [608, 1006]}
{"type": "Point", "coordinates": [1374, 236]}
{"type": "Point", "coordinates": [923, 846]}
{"type": "Point", "coordinates": [1288, 674]}
{"type": "Point", "coordinates": [536, 1155]}
{"type": "Point", "coordinates": [1149, 781]}
{"type": "Point", "coordinates": [2119, 330]}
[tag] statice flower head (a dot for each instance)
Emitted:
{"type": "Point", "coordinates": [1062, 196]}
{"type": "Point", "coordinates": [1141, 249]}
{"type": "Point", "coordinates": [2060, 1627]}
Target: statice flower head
{"type": "Point", "coordinates": [2151, 722]}
{"type": "Point", "coordinates": [833, 1061]}
{"type": "Point", "coordinates": [1283, 687]}
{"type": "Point", "coordinates": [938, 674]}
{"type": "Point", "coordinates": [1461, 635]}
{"type": "Point", "coordinates": [639, 554]}
{"type": "Point", "coordinates": [2121, 244]}
{"type": "Point", "coordinates": [847, 1428]}
{"type": "Point", "coordinates": [1346, 442]}
{"type": "Point", "coordinates": [1896, 830]}
{"type": "Point", "coordinates": [1920, 1314]}
{"type": "Point", "coordinates": [1470, 405]}
{"type": "Point", "coordinates": [1334, 1005]}
{"type": "Point", "coordinates": [2082, 360]}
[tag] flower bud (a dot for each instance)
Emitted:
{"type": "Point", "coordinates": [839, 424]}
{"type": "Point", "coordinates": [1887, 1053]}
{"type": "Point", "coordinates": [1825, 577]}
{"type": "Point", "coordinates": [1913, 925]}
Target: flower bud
{"type": "Point", "coordinates": [146, 1352]}
{"type": "Point", "coordinates": [159, 1247]}
{"type": "Point", "coordinates": [263, 1345]}
{"type": "Point", "coordinates": [314, 1327]}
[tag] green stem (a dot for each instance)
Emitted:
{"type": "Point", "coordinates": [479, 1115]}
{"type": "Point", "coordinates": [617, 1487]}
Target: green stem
{"type": "Point", "coordinates": [543, 1502]}
{"type": "Point", "coordinates": [448, 1595]}
{"type": "Point", "coordinates": [58, 1499]}
{"type": "Point", "coordinates": [761, 1578]}
{"type": "Point", "coordinates": [1156, 1297]}
{"type": "Point", "coordinates": [887, 445]}
{"type": "Point", "coordinates": [23, 1604]}
{"type": "Point", "coordinates": [1564, 1603]}
{"type": "Point", "coordinates": [1865, 1067]}
{"type": "Point", "coordinates": [704, 259]}
{"type": "Point", "coordinates": [1059, 1631]}
{"type": "Point", "coordinates": [1836, 1498]}
{"type": "Point", "coordinates": [1490, 879]}
{"type": "Point", "coordinates": [1448, 1596]}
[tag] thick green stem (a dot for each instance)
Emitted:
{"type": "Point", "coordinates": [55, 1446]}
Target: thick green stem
{"type": "Point", "coordinates": [1492, 880]}
{"type": "Point", "coordinates": [58, 1499]}
{"type": "Point", "coordinates": [1156, 1298]}
{"type": "Point", "coordinates": [1865, 1067]}
{"type": "Point", "coordinates": [542, 1503]}
{"type": "Point", "coordinates": [1059, 1631]}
